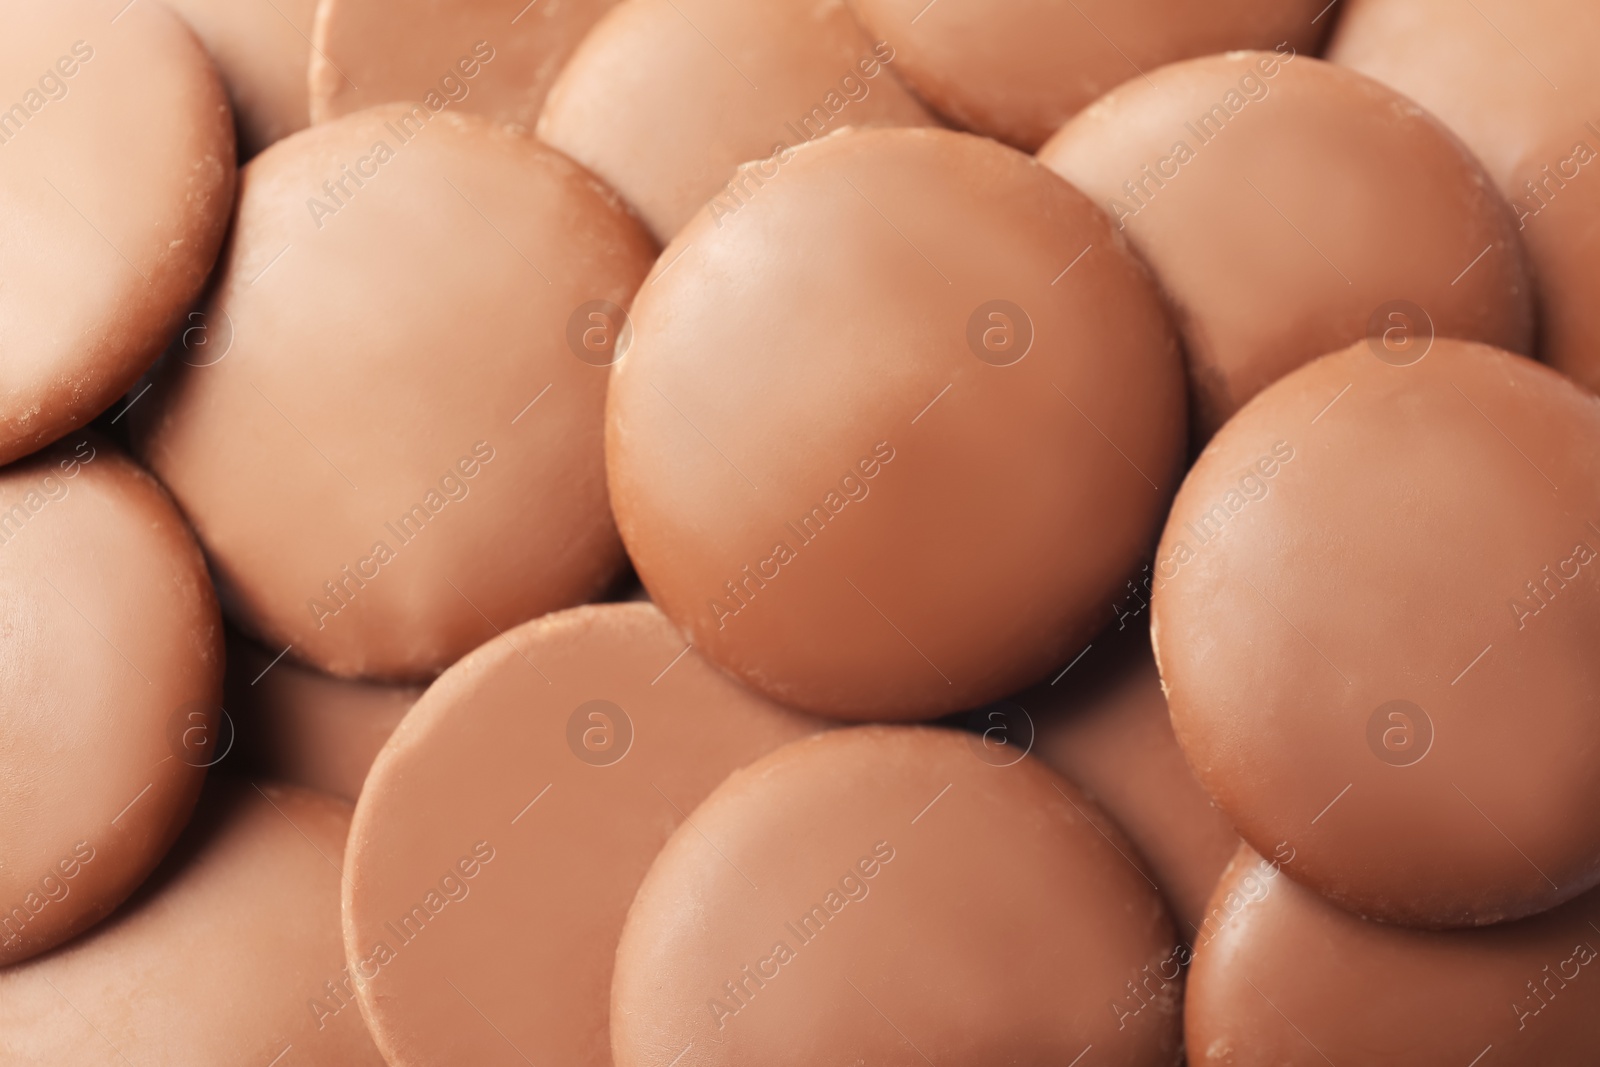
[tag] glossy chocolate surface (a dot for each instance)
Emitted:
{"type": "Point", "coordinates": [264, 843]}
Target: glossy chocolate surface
{"type": "Point", "coordinates": [505, 827]}
{"type": "Point", "coordinates": [1374, 602]}
{"type": "Point", "coordinates": [886, 441]}
{"type": "Point", "coordinates": [390, 440]}
{"type": "Point", "coordinates": [1290, 207]}
{"type": "Point", "coordinates": [112, 668]}
{"type": "Point", "coordinates": [884, 895]}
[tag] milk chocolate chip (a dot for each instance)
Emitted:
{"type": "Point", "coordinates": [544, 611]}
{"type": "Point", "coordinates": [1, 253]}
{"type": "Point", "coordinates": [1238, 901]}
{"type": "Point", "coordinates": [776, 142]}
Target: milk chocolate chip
{"type": "Point", "coordinates": [506, 825]}
{"type": "Point", "coordinates": [880, 895]}
{"type": "Point", "coordinates": [261, 47]}
{"type": "Point", "coordinates": [390, 443]}
{"type": "Point", "coordinates": [886, 441]}
{"type": "Point", "coordinates": [1374, 602]}
{"type": "Point", "coordinates": [113, 667]}
{"type": "Point", "coordinates": [1103, 723]}
{"type": "Point", "coordinates": [485, 57]}
{"type": "Point", "coordinates": [1283, 978]}
{"type": "Point", "coordinates": [229, 955]}
{"type": "Point", "coordinates": [1016, 71]}
{"type": "Point", "coordinates": [1290, 207]}
{"type": "Point", "coordinates": [117, 175]}
{"type": "Point", "coordinates": [779, 73]}
{"type": "Point", "coordinates": [1507, 76]}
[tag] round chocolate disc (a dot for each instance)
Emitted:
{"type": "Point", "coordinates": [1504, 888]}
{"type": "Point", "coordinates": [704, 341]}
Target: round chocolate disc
{"type": "Point", "coordinates": [1284, 979]}
{"type": "Point", "coordinates": [1017, 71]}
{"type": "Point", "coordinates": [802, 70]}
{"type": "Point", "coordinates": [1375, 604]}
{"type": "Point", "coordinates": [116, 179]}
{"type": "Point", "coordinates": [304, 727]}
{"type": "Point", "coordinates": [886, 441]}
{"type": "Point", "coordinates": [112, 663]}
{"type": "Point", "coordinates": [485, 57]}
{"type": "Point", "coordinates": [1508, 76]}
{"type": "Point", "coordinates": [389, 434]}
{"type": "Point", "coordinates": [1559, 208]}
{"type": "Point", "coordinates": [261, 47]}
{"type": "Point", "coordinates": [1103, 724]}
{"type": "Point", "coordinates": [884, 895]}
{"type": "Point", "coordinates": [230, 955]}
{"type": "Point", "coordinates": [504, 829]}
{"type": "Point", "coordinates": [1290, 207]}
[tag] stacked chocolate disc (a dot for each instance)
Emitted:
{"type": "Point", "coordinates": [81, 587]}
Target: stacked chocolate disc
{"type": "Point", "coordinates": [784, 575]}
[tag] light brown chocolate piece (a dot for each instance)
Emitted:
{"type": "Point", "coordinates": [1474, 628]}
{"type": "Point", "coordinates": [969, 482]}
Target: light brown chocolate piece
{"type": "Point", "coordinates": [1373, 604]}
{"type": "Point", "coordinates": [1290, 207]}
{"type": "Point", "coordinates": [485, 57]}
{"type": "Point", "coordinates": [1287, 980]}
{"type": "Point", "coordinates": [1513, 78]}
{"type": "Point", "coordinates": [390, 443]}
{"type": "Point", "coordinates": [506, 825]}
{"type": "Point", "coordinates": [749, 82]}
{"type": "Point", "coordinates": [229, 955]}
{"type": "Point", "coordinates": [1016, 71]}
{"type": "Point", "coordinates": [1556, 194]}
{"type": "Point", "coordinates": [883, 895]}
{"type": "Point", "coordinates": [304, 727]}
{"type": "Point", "coordinates": [964, 421]}
{"type": "Point", "coordinates": [1103, 724]}
{"type": "Point", "coordinates": [112, 661]}
{"type": "Point", "coordinates": [262, 48]}
{"type": "Point", "coordinates": [117, 176]}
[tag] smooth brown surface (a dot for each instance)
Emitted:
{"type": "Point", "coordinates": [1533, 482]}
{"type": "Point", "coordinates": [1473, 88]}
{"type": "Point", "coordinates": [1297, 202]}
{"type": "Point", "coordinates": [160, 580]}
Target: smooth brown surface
{"type": "Point", "coordinates": [1288, 980]}
{"type": "Point", "coordinates": [387, 444]}
{"type": "Point", "coordinates": [112, 666]}
{"type": "Point", "coordinates": [779, 73]}
{"type": "Point", "coordinates": [307, 728]}
{"type": "Point", "coordinates": [821, 469]}
{"type": "Point", "coordinates": [229, 956]}
{"type": "Point", "coordinates": [1560, 217]}
{"type": "Point", "coordinates": [880, 895]}
{"type": "Point", "coordinates": [495, 58]}
{"type": "Point", "coordinates": [262, 48]}
{"type": "Point", "coordinates": [1323, 198]}
{"type": "Point", "coordinates": [116, 178]}
{"type": "Point", "coordinates": [1016, 71]}
{"type": "Point", "coordinates": [1363, 534]}
{"type": "Point", "coordinates": [508, 822]}
{"type": "Point", "coordinates": [1506, 75]}
{"type": "Point", "coordinates": [1104, 725]}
